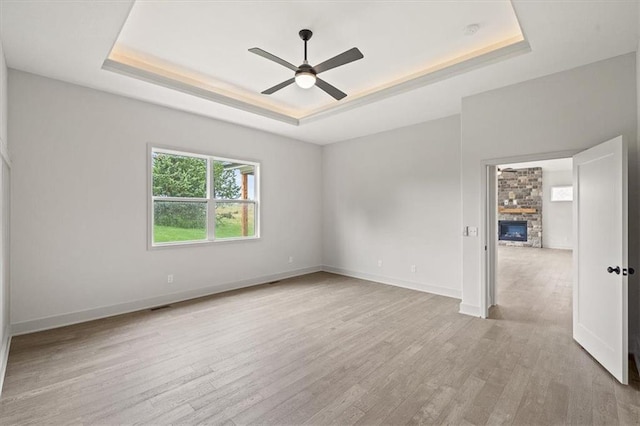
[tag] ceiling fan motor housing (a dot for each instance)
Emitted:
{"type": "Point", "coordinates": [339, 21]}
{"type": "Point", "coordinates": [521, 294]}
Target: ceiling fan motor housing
{"type": "Point", "coordinates": [306, 68]}
{"type": "Point", "coordinates": [305, 34]}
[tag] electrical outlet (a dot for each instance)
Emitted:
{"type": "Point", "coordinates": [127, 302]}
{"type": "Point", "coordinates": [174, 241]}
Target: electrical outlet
{"type": "Point", "coordinates": [290, 259]}
{"type": "Point", "coordinates": [379, 263]}
{"type": "Point", "coordinates": [170, 278]}
{"type": "Point", "coordinates": [413, 268]}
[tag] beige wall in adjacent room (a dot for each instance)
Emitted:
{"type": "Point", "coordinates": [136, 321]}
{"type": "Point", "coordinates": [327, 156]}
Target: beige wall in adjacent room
{"type": "Point", "coordinates": [557, 216]}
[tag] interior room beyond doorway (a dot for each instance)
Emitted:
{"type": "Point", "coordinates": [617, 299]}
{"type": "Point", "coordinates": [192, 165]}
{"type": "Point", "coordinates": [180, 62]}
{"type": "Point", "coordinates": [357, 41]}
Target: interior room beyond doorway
{"type": "Point", "coordinates": [534, 237]}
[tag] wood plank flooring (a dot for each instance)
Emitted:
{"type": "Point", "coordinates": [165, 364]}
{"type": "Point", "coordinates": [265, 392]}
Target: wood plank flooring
{"type": "Point", "coordinates": [324, 349]}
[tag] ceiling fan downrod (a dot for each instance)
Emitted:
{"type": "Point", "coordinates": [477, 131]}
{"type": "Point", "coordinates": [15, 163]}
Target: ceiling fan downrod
{"type": "Point", "coordinates": [305, 35]}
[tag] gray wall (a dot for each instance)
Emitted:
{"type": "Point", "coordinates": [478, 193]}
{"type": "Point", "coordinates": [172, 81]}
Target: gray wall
{"type": "Point", "coordinates": [571, 110]}
{"type": "Point", "coordinates": [395, 197]}
{"type": "Point", "coordinates": [79, 246]}
{"type": "Point", "coordinates": [557, 217]}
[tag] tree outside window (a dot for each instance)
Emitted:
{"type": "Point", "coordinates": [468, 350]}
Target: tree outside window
{"type": "Point", "coordinates": [200, 198]}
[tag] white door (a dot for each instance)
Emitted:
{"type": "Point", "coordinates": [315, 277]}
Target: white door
{"type": "Point", "coordinates": [600, 255]}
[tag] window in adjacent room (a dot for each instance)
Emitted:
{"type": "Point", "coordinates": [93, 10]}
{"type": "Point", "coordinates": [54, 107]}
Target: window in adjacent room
{"type": "Point", "coordinates": [200, 198]}
{"type": "Point", "coordinates": [562, 193]}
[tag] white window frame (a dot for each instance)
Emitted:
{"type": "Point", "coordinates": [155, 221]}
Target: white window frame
{"type": "Point", "coordinates": [210, 199]}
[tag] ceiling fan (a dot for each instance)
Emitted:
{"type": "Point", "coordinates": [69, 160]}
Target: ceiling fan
{"type": "Point", "coordinates": [306, 75]}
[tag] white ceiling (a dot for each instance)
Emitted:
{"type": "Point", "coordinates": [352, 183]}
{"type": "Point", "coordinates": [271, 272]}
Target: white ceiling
{"type": "Point", "coordinates": [69, 40]}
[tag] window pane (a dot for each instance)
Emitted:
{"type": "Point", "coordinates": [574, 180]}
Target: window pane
{"type": "Point", "coordinates": [179, 176]}
{"type": "Point", "coordinates": [562, 193]}
{"type": "Point", "coordinates": [233, 181]}
{"type": "Point", "coordinates": [234, 220]}
{"type": "Point", "coordinates": [179, 221]}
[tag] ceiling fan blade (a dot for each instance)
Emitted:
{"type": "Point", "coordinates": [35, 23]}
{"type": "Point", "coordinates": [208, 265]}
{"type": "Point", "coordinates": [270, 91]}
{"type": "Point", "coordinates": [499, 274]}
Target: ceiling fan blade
{"type": "Point", "coordinates": [278, 86]}
{"type": "Point", "coordinates": [273, 58]}
{"type": "Point", "coordinates": [341, 59]}
{"type": "Point", "coordinates": [331, 90]}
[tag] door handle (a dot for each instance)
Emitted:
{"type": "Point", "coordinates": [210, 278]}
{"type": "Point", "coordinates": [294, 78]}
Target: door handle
{"type": "Point", "coordinates": [612, 270]}
{"type": "Point", "coordinates": [630, 271]}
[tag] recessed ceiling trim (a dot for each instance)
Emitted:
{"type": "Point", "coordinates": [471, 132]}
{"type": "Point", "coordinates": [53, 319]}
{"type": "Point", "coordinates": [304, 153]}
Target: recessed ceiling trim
{"type": "Point", "coordinates": [473, 60]}
{"type": "Point", "coordinates": [130, 60]}
{"type": "Point", "coordinates": [492, 54]}
{"type": "Point", "coordinates": [193, 88]}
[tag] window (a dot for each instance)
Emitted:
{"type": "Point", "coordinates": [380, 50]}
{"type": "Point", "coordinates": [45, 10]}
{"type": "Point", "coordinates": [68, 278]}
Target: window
{"type": "Point", "coordinates": [200, 198]}
{"type": "Point", "coordinates": [562, 193]}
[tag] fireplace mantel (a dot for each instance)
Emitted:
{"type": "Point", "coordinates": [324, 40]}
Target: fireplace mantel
{"type": "Point", "coordinates": [504, 210]}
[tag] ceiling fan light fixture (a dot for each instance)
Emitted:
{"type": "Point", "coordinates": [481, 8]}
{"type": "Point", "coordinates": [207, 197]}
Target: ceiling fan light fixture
{"type": "Point", "coordinates": [305, 79]}
{"type": "Point", "coordinates": [305, 74]}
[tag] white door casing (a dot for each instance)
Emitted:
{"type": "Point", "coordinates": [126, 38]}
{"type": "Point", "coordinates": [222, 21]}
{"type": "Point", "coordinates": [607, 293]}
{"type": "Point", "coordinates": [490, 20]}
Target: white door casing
{"type": "Point", "coordinates": [600, 298]}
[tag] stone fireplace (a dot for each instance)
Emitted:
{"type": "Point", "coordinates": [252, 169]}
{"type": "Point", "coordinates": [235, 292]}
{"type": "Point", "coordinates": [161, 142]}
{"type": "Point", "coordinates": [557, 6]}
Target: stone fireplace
{"type": "Point", "coordinates": [520, 207]}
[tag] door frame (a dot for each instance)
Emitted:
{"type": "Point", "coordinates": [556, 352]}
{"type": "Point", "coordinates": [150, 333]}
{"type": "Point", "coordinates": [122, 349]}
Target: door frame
{"type": "Point", "coordinates": [488, 207]}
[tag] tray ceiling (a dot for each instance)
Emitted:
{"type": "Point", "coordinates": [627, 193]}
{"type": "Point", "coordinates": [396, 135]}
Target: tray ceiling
{"type": "Point", "coordinates": [68, 40]}
{"type": "Point", "coordinates": [202, 48]}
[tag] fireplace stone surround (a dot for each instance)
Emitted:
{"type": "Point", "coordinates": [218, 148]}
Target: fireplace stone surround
{"type": "Point", "coordinates": [520, 199]}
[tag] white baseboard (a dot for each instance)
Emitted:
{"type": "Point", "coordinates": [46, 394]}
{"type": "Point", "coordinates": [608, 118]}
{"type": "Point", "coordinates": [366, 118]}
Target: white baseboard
{"type": "Point", "coordinates": [557, 246]}
{"type": "Point", "coordinates": [127, 307]}
{"type": "Point", "coordinates": [56, 321]}
{"type": "Point", "coordinates": [472, 310]}
{"type": "Point", "coordinates": [441, 291]}
{"type": "Point", "coordinates": [4, 354]}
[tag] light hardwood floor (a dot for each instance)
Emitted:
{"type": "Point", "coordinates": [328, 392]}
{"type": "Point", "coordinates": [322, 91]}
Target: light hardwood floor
{"type": "Point", "coordinates": [325, 349]}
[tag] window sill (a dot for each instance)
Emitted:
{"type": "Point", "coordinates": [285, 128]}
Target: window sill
{"type": "Point", "coordinates": [180, 244]}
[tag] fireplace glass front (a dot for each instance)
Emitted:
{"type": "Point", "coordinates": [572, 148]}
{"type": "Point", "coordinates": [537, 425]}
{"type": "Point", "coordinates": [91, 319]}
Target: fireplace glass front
{"type": "Point", "coordinates": [512, 230]}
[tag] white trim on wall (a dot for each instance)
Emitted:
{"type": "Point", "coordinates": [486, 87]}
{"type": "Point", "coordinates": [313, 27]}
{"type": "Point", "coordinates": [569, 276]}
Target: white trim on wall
{"type": "Point", "coordinates": [426, 288]}
{"type": "Point", "coordinates": [138, 305]}
{"type": "Point", "coordinates": [558, 247]}
{"type": "Point", "coordinates": [474, 311]}
{"type": "Point", "coordinates": [128, 307]}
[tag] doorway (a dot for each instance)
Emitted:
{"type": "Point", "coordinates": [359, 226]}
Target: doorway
{"type": "Point", "coordinates": [489, 207]}
{"type": "Point", "coordinates": [600, 250]}
{"type": "Point", "coordinates": [533, 223]}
